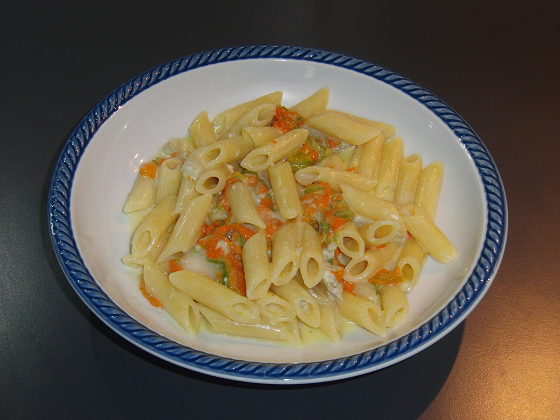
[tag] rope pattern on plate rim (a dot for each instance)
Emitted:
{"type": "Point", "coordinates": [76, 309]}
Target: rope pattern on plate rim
{"type": "Point", "coordinates": [84, 284]}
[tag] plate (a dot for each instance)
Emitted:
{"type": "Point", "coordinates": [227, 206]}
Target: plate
{"type": "Point", "coordinates": [99, 161]}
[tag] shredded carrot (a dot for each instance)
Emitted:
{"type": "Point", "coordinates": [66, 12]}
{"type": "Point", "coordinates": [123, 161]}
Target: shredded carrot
{"type": "Point", "coordinates": [175, 265]}
{"type": "Point", "coordinates": [153, 300]}
{"type": "Point", "coordinates": [285, 120]}
{"type": "Point", "coordinates": [332, 143]}
{"type": "Point", "coordinates": [348, 286]}
{"type": "Point", "coordinates": [352, 169]}
{"type": "Point", "coordinates": [149, 169]}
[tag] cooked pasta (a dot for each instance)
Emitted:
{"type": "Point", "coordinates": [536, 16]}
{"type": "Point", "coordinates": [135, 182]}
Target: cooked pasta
{"type": "Point", "coordinates": [272, 223]}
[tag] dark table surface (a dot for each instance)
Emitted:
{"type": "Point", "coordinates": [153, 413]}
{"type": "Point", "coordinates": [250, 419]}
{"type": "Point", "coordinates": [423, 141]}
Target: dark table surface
{"type": "Point", "coordinates": [496, 63]}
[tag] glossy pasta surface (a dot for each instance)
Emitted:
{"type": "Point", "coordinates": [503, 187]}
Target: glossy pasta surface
{"type": "Point", "coordinates": [267, 221]}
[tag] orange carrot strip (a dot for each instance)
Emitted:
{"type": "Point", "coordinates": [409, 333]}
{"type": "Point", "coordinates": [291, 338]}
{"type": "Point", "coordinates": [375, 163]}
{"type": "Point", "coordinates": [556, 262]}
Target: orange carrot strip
{"type": "Point", "coordinates": [148, 169]}
{"type": "Point", "coordinates": [153, 300]}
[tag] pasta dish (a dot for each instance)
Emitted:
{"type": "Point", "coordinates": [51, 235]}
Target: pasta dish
{"type": "Point", "coordinates": [267, 220]}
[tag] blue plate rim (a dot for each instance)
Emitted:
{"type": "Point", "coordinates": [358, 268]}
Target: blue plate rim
{"type": "Point", "coordinates": [68, 255]}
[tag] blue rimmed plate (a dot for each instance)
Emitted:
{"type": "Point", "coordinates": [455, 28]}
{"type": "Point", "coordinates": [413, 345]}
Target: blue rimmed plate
{"type": "Point", "coordinates": [99, 162]}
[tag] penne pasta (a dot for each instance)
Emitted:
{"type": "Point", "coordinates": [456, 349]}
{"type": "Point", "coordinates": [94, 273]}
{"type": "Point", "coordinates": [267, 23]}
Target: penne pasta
{"type": "Point", "coordinates": [169, 177]}
{"type": "Point", "coordinates": [428, 188]}
{"type": "Point", "coordinates": [343, 128]}
{"type": "Point", "coordinates": [213, 181]}
{"type": "Point", "coordinates": [363, 312]}
{"type": "Point", "coordinates": [306, 308]}
{"type": "Point", "coordinates": [186, 231]}
{"type": "Point", "coordinates": [349, 241]}
{"type": "Point", "coordinates": [312, 105]}
{"type": "Point", "coordinates": [142, 196]}
{"type": "Point", "coordinates": [151, 230]}
{"type": "Point", "coordinates": [243, 206]}
{"type": "Point", "coordinates": [311, 262]}
{"type": "Point", "coordinates": [371, 207]}
{"type": "Point", "coordinates": [260, 135]}
{"type": "Point", "coordinates": [394, 304]}
{"type": "Point", "coordinates": [180, 306]}
{"type": "Point", "coordinates": [410, 263]}
{"type": "Point", "coordinates": [223, 300]}
{"type": "Point", "coordinates": [370, 157]}
{"type": "Point", "coordinates": [432, 239]}
{"type": "Point", "coordinates": [258, 275]}
{"type": "Point", "coordinates": [201, 131]}
{"type": "Point", "coordinates": [285, 190]}
{"type": "Point", "coordinates": [388, 173]}
{"type": "Point", "coordinates": [285, 259]}
{"type": "Point", "coordinates": [274, 150]}
{"type": "Point", "coordinates": [274, 308]}
{"type": "Point", "coordinates": [379, 232]}
{"type": "Point", "coordinates": [278, 224]}
{"type": "Point", "coordinates": [224, 120]}
{"type": "Point", "coordinates": [260, 329]}
{"type": "Point", "coordinates": [334, 177]}
{"type": "Point", "coordinates": [409, 173]}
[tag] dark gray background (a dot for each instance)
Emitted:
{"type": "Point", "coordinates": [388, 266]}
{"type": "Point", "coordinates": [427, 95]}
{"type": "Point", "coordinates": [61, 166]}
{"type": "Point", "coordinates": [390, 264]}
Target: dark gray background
{"type": "Point", "coordinates": [496, 63]}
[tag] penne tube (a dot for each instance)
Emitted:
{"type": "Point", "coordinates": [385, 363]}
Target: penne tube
{"type": "Point", "coordinates": [311, 262]}
{"type": "Point", "coordinates": [224, 120]}
{"type": "Point", "coordinates": [201, 131]}
{"type": "Point", "coordinates": [387, 129]}
{"type": "Point", "coordinates": [388, 173]}
{"type": "Point", "coordinates": [260, 329]}
{"type": "Point", "coordinates": [187, 192]}
{"type": "Point", "coordinates": [409, 173]}
{"type": "Point", "coordinates": [330, 322]}
{"type": "Point", "coordinates": [151, 230]}
{"type": "Point", "coordinates": [258, 275]}
{"type": "Point", "coordinates": [260, 135]}
{"type": "Point", "coordinates": [142, 196]}
{"type": "Point", "coordinates": [186, 231]}
{"type": "Point", "coordinates": [355, 158]}
{"type": "Point", "coordinates": [343, 128]}
{"type": "Point", "coordinates": [363, 312]}
{"type": "Point", "coordinates": [379, 232]}
{"type": "Point", "coordinates": [180, 148]}
{"type": "Point", "coordinates": [387, 254]}
{"type": "Point", "coordinates": [312, 105]}
{"type": "Point", "coordinates": [294, 327]}
{"type": "Point", "coordinates": [428, 188]}
{"type": "Point", "coordinates": [334, 161]}
{"type": "Point", "coordinates": [243, 205]}
{"type": "Point", "coordinates": [168, 179]}
{"type": "Point", "coordinates": [394, 303]}
{"type": "Point", "coordinates": [306, 308]}
{"type": "Point", "coordinates": [259, 116]}
{"type": "Point", "coordinates": [217, 154]}
{"type": "Point", "coordinates": [349, 241]}
{"type": "Point", "coordinates": [275, 150]}
{"type": "Point", "coordinates": [370, 156]}
{"type": "Point", "coordinates": [285, 190]}
{"type": "Point", "coordinates": [285, 259]}
{"type": "Point", "coordinates": [410, 263]}
{"type": "Point", "coordinates": [433, 240]}
{"type": "Point", "coordinates": [180, 306]}
{"type": "Point", "coordinates": [214, 295]}
{"type": "Point", "coordinates": [371, 207]}
{"type": "Point", "coordinates": [274, 308]}
{"type": "Point", "coordinates": [213, 181]}
{"type": "Point", "coordinates": [334, 177]}
{"type": "Point", "coordinates": [367, 291]}
{"type": "Point", "coordinates": [360, 269]}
